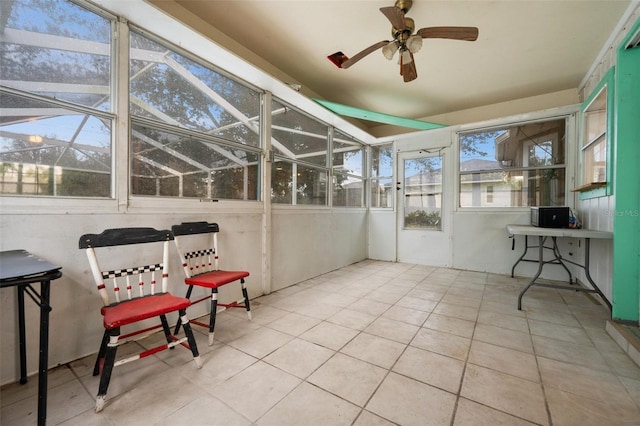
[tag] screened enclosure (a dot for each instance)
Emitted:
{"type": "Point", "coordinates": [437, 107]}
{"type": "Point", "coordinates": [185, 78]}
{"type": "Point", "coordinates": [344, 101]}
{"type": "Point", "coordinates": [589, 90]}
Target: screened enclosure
{"type": "Point", "coordinates": [193, 130]}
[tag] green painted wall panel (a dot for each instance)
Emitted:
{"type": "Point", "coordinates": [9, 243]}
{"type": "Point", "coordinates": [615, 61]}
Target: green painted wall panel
{"type": "Point", "coordinates": [626, 221]}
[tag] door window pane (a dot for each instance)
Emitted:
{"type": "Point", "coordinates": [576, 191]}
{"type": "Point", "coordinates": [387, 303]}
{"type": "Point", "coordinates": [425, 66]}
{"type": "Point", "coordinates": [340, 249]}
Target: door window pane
{"type": "Point", "coordinates": [423, 193]}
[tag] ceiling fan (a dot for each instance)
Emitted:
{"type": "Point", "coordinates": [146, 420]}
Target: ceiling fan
{"type": "Point", "coordinates": [404, 40]}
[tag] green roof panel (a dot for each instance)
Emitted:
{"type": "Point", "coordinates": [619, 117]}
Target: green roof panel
{"type": "Point", "coordinates": [378, 117]}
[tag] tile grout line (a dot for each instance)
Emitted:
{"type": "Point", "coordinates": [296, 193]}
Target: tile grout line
{"type": "Point", "coordinates": [388, 370]}
{"type": "Point", "coordinates": [466, 361]}
{"type": "Point", "coordinates": [535, 357]}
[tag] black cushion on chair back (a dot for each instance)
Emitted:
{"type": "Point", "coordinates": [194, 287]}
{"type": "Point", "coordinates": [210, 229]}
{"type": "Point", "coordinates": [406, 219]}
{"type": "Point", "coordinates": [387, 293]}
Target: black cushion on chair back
{"type": "Point", "coordinates": [124, 236]}
{"type": "Point", "coordinates": [193, 228]}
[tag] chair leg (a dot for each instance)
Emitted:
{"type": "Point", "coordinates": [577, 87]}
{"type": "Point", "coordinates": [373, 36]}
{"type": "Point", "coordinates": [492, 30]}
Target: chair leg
{"type": "Point", "coordinates": [212, 314]}
{"type": "Point", "coordinates": [100, 357]}
{"type": "Point", "coordinates": [109, 360]}
{"type": "Point", "coordinates": [187, 296]}
{"type": "Point", "coordinates": [190, 338]}
{"type": "Point", "coordinates": [246, 298]}
{"type": "Point", "coordinates": [165, 328]}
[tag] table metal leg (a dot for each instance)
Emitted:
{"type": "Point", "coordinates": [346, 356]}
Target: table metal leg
{"type": "Point", "coordinates": [21, 269]}
{"type": "Point", "coordinates": [526, 247]}
{"type": "Point", "coordinates": [558, 260]}
{"type": "Point", "coordinates": [587, 243]}
{"type": "Point", "coordinates": [22, 336]}
{"type": "Point", "coordinates": [558, 257]}
{"type": "Point", "coordinates": [541, 241]}
{"type": "Point", "coordinates": [44, 352]}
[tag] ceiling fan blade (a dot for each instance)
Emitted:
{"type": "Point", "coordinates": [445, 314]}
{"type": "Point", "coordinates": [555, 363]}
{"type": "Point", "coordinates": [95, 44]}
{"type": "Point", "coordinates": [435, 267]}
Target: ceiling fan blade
{"type": "Point", "coordinates": [453, 33]}
{"type": "Point", "coordinates": [395, 15]}
{"type": "Point", "coordinates": [408, 70]}
{"type": "Point", "coordinates": [338, 59]}
{"type": "Point", "coordinates": [346, 64]}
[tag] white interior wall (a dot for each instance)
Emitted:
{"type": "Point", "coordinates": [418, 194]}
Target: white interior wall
{"type": "Point", "coordinates": [310, 242]}
{"type": "Point", "coordinates": [334, 237]}
{"type": "Point", "coordinates": [382, 235]}
{"type": "Point", "coordinates": [596, 214]}
{"type": "Point", "coordinates": [481, 242]}
{"type": "Point", "coordinates": [75, 321]}
{"type": "Point", "coordinates": [305, 243]}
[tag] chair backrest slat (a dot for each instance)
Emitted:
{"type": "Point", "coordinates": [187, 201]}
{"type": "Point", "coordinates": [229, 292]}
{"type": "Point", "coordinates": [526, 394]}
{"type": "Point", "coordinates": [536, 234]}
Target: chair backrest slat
{"type": "Point", "coordinates": [204, 258]}
{"type": "Point", "coordinates": [215, 248]}
{"type": "Point", "coordinates": [142, 274]}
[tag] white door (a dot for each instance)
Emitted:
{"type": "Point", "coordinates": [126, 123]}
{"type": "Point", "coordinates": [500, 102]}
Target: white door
{"type": "Point", "coordinates": [423, 216]}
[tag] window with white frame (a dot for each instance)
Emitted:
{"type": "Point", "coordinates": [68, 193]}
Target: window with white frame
{"type": "Point", "coordinates": [194, 130]}
{"type": "Point", "coordinates": [347, 165]}
{"type": "Point", "coordinates": [56, 105]}
{"type": "Point", "coordinates": [300, 172]}
{"type": "Point", "coordinates": [382, 176]}
{"type": "Point", "coordinates": [594, 144]}
{"type": "Point", "coordinates": [596, 136]}
{"type": "Point", "coordinates": [515, 165]}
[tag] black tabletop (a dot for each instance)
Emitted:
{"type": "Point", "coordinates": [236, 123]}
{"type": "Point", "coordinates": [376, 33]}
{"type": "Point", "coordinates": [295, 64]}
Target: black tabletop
{"type": "Point", "coordinates": [20, 264]}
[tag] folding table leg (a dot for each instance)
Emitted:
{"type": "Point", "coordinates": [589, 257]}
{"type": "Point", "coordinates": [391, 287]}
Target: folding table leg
{"type": "Point", "coordinates": [43, 363]}
{"type": "Point", "coordinates": [22, 333]}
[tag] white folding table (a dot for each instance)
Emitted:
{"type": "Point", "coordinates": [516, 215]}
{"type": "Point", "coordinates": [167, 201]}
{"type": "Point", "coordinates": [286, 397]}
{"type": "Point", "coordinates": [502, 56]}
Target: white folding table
{"type": "Point", "coordinates": [556, 258]}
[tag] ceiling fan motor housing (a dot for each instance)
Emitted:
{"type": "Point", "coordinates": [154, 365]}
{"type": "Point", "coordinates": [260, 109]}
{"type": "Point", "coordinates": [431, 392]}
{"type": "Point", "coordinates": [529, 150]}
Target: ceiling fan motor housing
{"type": "Point", "coordinates": [405, 5]}
{"type": "Point", "coordinates": [403, 34]}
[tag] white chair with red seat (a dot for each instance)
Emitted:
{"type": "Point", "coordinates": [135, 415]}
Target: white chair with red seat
{"type": "Point", "coordinates": [197, 244]}
{"type": "Point", "coordinates": [130, 306]}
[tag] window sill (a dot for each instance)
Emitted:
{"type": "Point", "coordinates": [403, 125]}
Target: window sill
{"type": "Point", "coordinates": [589, 186]}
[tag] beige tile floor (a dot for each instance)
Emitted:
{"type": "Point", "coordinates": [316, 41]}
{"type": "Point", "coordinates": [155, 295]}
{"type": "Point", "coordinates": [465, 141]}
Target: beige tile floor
{"type": "Point", "coordinates": [374, 343]}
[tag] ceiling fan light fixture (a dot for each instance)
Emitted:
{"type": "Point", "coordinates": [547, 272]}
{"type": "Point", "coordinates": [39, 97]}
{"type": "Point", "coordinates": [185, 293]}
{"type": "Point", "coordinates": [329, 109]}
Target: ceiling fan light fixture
{"type": "Point", "coordinates": [405, 57]}
{"type": "Point", "coordinates": [414, 43]}
{"type": "Point", "coordinates": [404, 40]}
{"type": "Point", "coordinates": [390, 49]}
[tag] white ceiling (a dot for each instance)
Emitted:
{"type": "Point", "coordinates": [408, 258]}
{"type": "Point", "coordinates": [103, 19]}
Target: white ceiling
{"type": "Point", "coordinates": [525, 48]}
